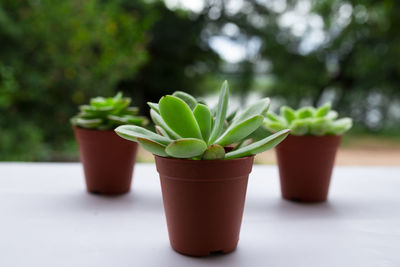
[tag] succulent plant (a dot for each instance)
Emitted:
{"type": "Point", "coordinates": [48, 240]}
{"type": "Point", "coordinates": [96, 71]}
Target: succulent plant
{"type": "Point", "coordinates": [308, 121]}
{"type": "Point", "coordinates": [108, 113]}
{"type": "Point", "coordinates": [189, 129]}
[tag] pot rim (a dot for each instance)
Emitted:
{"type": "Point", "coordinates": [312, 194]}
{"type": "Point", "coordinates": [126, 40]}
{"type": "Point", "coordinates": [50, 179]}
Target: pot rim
{"type": "Point", "coordinates": [90, 130]}
{"type": "Point", "coordinates": [204, 160]}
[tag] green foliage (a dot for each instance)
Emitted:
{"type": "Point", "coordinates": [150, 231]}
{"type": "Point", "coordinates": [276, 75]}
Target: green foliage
{"type": "Point", "coordinates": [108, 113]}
{"type": "Point", "coordinates": [54, 56]}
{"type": "Point", "coordinates": [308, 121]}
{"type": "Point", "coordinates": [184, 133]}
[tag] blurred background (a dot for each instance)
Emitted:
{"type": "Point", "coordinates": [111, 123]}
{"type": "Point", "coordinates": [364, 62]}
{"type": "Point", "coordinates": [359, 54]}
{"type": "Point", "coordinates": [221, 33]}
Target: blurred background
{"type": "Point", "coordinates": [56, 55]}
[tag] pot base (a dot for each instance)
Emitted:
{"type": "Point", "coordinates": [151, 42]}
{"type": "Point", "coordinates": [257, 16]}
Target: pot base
{"type": "Point", "coordinates": [204, 253]}
{"type": "Point", "coordinates": [108, 192]}
{"type": "Point", "coordinates": [304, 200]}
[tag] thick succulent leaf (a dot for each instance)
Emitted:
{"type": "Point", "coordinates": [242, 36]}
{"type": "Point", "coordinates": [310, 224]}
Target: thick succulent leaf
{"type": "Point", "coordinates": [305, 112]}
{"type": "Point", "coordinates": [299, 127]}
{"type": "Point", "coordinates": [186, 148]}
{"type": "Point", "coordinates": [332, 115]}
{"type": "Point", "coordinates": [152, 147]}
{"type": "Point", "coordinates": [179, 117]}
{"type": "Point", "coordinates": [161, 131]}
{"type": "Point", "coordinates": [237, 132]}
{"type": "Point", "coordinates": [319, 126]}
{"type": "Point", "coordinates": [160, 122]}
{"type": "Point", "coordinates": [323, 110]}
{"type": "Point", "coordinates": [258, 108]}
{"type": "Point", "coordinates": [137, 120]}
{"type": "Point", "coordinates": [190, 100]}
{"type": "Point", "coordinates": [87, 123]}
{"type": "Point", "coordinates": [131, 111]}
{"type": "Point", "coordinates": [214, 152]}
{"type": "Point", "coordinates": [132, 132]}
{"type": "Point", "coordinates": [274, 126]}
{"type": "Point", "coordinates": [340, 126]}
{"type": "Point", "coordinates": [220, 113]}
{"type": "Point", "coordinates": [231, 115]}
{"type": "Point", "coordinates": [288, 114]}
{"type": "Point", "coordinates": [204, 119]}
{"type": "Point", "coordinates": [154, 106]}
{"type": "Point", "coordinates": [259, 146]}
{"type": "Point", "coordinates": [273, 117]}
{"type": "Point", "coordinates": [244, 143]}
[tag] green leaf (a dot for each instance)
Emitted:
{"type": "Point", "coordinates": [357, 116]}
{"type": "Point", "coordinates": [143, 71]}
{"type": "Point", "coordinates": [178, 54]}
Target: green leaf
{"type": "Point", "coordinates": [189, 99]}
{"type": "Point", "coordinates": [161, 131]}
{"type": "Point", "coordinates": [319, 126]}
{"type": "Point", "coordinates": [131, 111]}
{"type": "Point", "coordinates": [154, 106]}
{"type": "Point", "coordinates": [91, 123]}
{"type": "Point", "coordinates": [231, 115]}
{"type": "Point", "coordinates": [152, 147]}
{"type": "Point", "coordinates": [305, 112]}
{"type": "Point", "coordinates": [186, 148]}
{"type": "Point", "coordinates": [259, 146]}
{"type": "Point", "coordinates": [258, 108]}
{"type": "Point", "coordinates": [214, 152]}
{"type": "Point", "coordinates": [323, 110]}
{"type": "Point", "coordinates": [273, 117]}
{"type": "Point", "coordinates": [237, 132]}
{"type": "Point", "coordinates": [244, 143]}
{"type": "Point", "coordinates": [221, 113]}
{"type": "Point", "coordinates": [159, 121]}
{"type": "Point", "coordinates": [332, 115]}
{"type": "Point", "coordinates": [204, 119]}
{"type": "Point", "coordinates": [179, 117]}
{"type": "Point", "coordinates": [340, 126]}
{"type": "Point", "coordinates": [274, 126]}
{"type": "Point", "coordinates": [288, 113]}
{"type": "Point", "coordinates": [299, 127]}
{"type": "Point", "coordinates": [132, 132]}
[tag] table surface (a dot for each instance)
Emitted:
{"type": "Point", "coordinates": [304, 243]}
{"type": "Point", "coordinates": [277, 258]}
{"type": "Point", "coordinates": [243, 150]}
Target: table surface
{"type": "Point", "coordinates": [48, 219]}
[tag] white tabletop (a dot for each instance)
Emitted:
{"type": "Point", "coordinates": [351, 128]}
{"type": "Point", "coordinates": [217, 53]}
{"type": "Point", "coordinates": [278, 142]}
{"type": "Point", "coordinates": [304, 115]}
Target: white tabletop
{"type": "Point", "coordinates": [48, 219]}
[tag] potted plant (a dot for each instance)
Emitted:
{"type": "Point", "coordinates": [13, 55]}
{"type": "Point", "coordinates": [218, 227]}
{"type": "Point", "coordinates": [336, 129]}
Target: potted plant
{"type": "Point", "coordinates": [107, 159]}
{"type": "Point", "coordinates": [203, 185]}
{"type": "Point", "coordinates": [306, 158]}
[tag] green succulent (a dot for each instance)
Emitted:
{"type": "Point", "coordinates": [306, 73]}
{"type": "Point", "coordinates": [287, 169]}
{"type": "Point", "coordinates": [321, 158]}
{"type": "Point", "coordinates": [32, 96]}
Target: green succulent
{"type": "Point", "coordinates": [308, 121]}
{"type": "Point", "coordinates": [108, 113]}
{"type": "Point", "coordinates": [187, 128]}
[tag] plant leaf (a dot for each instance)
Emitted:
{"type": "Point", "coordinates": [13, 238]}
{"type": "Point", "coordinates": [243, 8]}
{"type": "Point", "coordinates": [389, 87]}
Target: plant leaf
{"type": "Point", "coordinates": [159, 121]}
{"type": "Point", "coordinates": [154, 106]}
{"type": "Point", "coordinates": [161, 131]}
{"type": "Point", "coordinates": [305, 112]}
{"type": "Point", "coordinates": [189, 99]}
{"type": "Point", "coordinates": [323, 110]}
{"type": "Point", "coordinates": [186, 148]}
{"type": "Point", "coordinates": [87, 123]}
{"type": "Point", "coordinates": [214, 152]}
{"type": "Point", "coordinates": [221, 113]}
{"type": "Point", "coordinates": [258, 108]}
{"type": "Point", "coordinates": [299, 127]}
{"type": "Point", "coordinates": [274, 126]}
{"type": "Point", "coordinates": [332, 115]}
{"type": "Point", "coordinates": [319, 126]}
{"type": "Point", "coordinates": [273, 117]}
{"type": "Point", "coordinates": [288, 114]}
{"type": "Point", "coordinates": [204, 119]}
{"type": "Point", "coordinates": [259, 146]}
{"type": "Point", "coordinates": [340, 126]}
{"type": "Point", "coordinates": [132, 132]}
{"type": "Point", "coordinates": [152, 147]}
{"type": "Point", "coordinates": [237, 132]}
{"type": "Point", "coordinates": [179, 117]}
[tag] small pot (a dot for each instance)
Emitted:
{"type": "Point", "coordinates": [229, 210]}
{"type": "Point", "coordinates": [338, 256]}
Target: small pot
{"type": "Point", "coordinates": [107, 159]}
{"type": "Point", "coordinates": [203, 202]}
{"type": "Point", "coordinates": [305, 166]}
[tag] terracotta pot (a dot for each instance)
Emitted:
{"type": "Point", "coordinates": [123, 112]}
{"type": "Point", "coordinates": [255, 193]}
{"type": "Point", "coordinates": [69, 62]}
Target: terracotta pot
{"type": "Point", "coordinates": [305, 166]}
{"type": "Point", "coordinates": [107, 159]}
{"type": "Point", "coordinates": [203, 202]}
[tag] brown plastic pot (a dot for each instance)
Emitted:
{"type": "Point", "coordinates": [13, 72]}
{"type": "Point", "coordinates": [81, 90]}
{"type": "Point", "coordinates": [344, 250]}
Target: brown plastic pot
{"type": "Point", "coordinates": [107, 159]}
{"type": "Point", "coordinates": [203, 202]}
{"type": "Point", "coordinates": [305, 166]}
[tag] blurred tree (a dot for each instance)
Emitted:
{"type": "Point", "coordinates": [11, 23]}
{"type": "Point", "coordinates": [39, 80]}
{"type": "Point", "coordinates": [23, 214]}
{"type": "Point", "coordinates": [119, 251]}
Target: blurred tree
{"type": "Point", "coordinates": [55, 55]}
{"type": "Point", "coordinates": [179, 58]}
{"type": "Point", "coordinates": [345, 51]}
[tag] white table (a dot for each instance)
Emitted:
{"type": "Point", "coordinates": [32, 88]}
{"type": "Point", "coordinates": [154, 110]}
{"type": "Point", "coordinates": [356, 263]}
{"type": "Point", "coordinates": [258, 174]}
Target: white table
{"type": "Point", "coordinates": [47, 219]}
